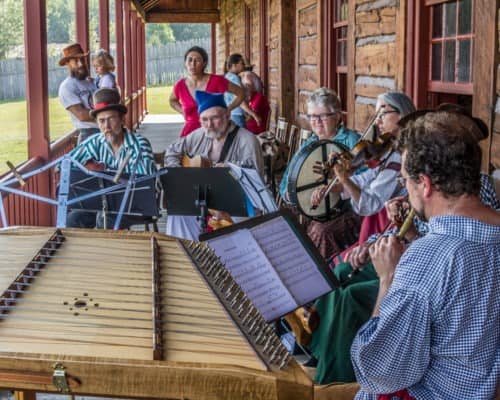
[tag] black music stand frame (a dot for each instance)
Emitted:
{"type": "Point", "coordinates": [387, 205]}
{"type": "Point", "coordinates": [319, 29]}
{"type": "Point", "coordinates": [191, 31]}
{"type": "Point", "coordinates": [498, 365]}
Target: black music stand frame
{"type": "Point", "coordinates": [193, 190]}
{"type": "Point", "coordinates": [132, 197]}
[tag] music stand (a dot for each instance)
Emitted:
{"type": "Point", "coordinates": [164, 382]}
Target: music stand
{"type": "Point", "coordinates": [141, 200]}
{"type": "Point", "coordinates": [192, 191]}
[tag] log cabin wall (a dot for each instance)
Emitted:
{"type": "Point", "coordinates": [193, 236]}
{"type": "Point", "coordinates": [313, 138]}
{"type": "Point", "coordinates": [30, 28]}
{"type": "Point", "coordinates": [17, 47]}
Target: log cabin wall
{"type": "Point", "coordinates": [378, 65]}
{"type": "Point", "coordinates": [387, 49]}
{"type": "Point", "coordinates": [308, 64]}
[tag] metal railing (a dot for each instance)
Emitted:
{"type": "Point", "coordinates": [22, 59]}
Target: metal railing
{"type": "Point", "coordinates": [21, 210]}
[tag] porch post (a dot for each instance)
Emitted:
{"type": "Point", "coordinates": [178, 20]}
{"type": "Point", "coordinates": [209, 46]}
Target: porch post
{"type": "Point", "coordinates": [35, 39]}
{"type": "Point", "coordinates": [134, 61]}
{"type": "Point", "coordinates": [127, 61]}
{"type": "Point", "coordinates": [264, 46]}
{"type": "Point", "coordinates": [119, 46]}
{"type": "Point", "coordinates": [104, 24]}
{"type": "Point", "coordinates": [143, 69]}
{"type": "Point", "coordinates": [213, 45]}
{"type": "Point", "coordinates": [82, 23]}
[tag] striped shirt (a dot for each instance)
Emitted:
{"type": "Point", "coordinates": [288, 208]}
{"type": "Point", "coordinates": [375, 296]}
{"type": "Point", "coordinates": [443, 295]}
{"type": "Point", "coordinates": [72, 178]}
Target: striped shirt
{"type": "Point", "coordinates": [98, 148]}
{"type": "Point", "coordinates": [438, 330]}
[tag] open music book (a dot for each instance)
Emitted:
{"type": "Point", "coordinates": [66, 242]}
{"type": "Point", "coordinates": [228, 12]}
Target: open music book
{"type": "Point", "coordinates": [274, 262]}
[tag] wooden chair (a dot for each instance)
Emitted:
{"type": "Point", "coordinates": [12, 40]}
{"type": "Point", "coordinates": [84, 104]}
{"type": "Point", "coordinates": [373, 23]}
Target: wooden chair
{"type": "Point", "coordinates": [282, 130]}
{"type": "Point", "coordinates": [293, 141]}
{"type": "Point", "coordinates": [304, 135]}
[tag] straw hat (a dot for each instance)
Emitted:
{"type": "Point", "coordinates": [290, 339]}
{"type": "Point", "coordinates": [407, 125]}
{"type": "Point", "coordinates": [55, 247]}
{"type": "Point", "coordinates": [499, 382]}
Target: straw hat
{"type": "Point", "coordinates": [72, 51]}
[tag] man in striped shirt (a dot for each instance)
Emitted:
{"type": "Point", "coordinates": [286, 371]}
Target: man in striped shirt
{"type": "Point", "coordinates": [108, 150]}
{"type": "Point", "coordinates": [434, 329]}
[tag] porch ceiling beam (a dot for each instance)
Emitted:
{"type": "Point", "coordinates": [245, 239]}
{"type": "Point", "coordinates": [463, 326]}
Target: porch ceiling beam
{"type": "Point", "coordinates": [180, 16]}
{"type": "Point", "coordinates": [139, 8]}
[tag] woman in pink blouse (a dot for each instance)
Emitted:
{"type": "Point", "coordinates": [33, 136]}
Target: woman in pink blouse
{"type": "Point", "coordinates": [182, 97]}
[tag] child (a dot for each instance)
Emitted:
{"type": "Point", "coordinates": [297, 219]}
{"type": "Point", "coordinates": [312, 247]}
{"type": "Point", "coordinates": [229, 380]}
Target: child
{"type": "Point", "coordinates": [104, 66]}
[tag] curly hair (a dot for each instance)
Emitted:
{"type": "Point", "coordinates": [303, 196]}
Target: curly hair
{"type": "Point", "coordinates": [105, 59]}
{"type": "Point", "coordinates": [443, 145]}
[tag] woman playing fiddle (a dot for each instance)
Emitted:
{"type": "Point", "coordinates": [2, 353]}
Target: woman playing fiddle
{"type": "Point", "coordinates": [369, 191]}
{"type": "Point", "coordinates": [182, 97]}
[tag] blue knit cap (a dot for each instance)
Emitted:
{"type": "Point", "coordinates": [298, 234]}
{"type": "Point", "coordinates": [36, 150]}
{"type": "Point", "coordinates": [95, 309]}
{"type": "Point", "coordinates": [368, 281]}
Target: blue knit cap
{"type": "Point", "coordinates": [207, 100]}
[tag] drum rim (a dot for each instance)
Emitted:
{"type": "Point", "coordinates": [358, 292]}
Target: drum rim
{"type": "Point", "coordinates": [293, 173]}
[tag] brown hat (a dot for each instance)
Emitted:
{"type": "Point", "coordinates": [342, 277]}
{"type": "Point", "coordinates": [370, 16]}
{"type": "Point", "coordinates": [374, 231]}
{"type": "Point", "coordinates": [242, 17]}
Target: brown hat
{"type": "Point", "coordinates": [72, 51]}
{"type": "Point", "coordinates": [107, 99]}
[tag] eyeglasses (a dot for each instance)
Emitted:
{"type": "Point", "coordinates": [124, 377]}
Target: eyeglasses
{"type": "Point", "coordinates": [401, 180]}
{"type": "Point", "coordinates": [382, 114]}
{"type": "Point", "coordinates": [111, 120]}
{"type": "Point", "coordinates": [322, 117]}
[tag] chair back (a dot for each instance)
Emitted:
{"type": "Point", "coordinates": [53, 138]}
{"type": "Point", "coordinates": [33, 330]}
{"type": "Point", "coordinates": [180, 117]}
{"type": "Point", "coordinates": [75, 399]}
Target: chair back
{"type": "Point", "coordinates": [282, 130]}
{"type": "Point", "coordinates": [304, 135]}
{"type": "Point", "coordinates": [293, 141]}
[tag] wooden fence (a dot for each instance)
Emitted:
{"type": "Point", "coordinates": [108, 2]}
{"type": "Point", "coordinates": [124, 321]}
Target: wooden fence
{"type": "Point", "coordinates": [164, 66]}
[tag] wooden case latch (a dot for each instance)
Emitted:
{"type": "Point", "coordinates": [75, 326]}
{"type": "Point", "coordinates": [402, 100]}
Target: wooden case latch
{"type": "Point", "coordinates": [59, 378]}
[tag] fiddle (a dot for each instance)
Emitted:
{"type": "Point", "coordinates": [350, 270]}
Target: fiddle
{"type": "Point", "coordinates": [363, 153]}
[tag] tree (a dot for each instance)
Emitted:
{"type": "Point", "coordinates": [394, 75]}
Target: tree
{"type": "Point", "coordinates": [11, 25]}
{"type": "Point", "coordinates": [159, 34]}
{"type": "Point", "coordinates": [59, 16]}
{"type": "Point", "coordinates": [190, 31]}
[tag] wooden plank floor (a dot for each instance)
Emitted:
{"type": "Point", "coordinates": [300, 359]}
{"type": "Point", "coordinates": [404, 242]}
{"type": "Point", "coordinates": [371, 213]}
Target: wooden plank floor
{"type": "Point", "coordinates": [161, 130]}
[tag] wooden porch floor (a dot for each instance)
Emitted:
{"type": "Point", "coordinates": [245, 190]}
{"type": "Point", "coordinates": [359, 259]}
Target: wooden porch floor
{"type": "Point", "coordinates": [161, 130]}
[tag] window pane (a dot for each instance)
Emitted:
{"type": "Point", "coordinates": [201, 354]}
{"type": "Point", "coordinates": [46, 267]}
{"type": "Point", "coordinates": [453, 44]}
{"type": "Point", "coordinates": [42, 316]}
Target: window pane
{"type": "Point", "coordinates": [450, 19]}
{"type": "Point", "coordinates": [343, 32]}
{"type": "Point", "coordinates": [341, 54]}
{"type": "Point", "coordinates": [343, 11]}
{"type": "Point", "coordinates": [437, 21]}
{"type": "Point", "coordinates": [464, 48]}
{"type": "Point", "coordinates": [341, 8]}
{"type": "Point", "coordinates": [465, 16]}
{"type": "Point", "coordinates": [449, 61]}
{"type": "Point", "coordinates": [436, 62]}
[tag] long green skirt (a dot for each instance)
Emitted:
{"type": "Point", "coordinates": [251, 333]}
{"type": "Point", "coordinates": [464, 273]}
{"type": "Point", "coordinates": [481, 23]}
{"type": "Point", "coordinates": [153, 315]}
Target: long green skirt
{"type": "Point", "coordinates": [342, 312]}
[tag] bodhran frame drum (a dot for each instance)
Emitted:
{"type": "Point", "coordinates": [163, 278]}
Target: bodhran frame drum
{"type": "Point", "coordinates": [302, 181]}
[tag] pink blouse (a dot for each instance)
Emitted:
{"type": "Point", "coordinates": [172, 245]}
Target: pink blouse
{"type": "Point", "coordinates": [216, 84]}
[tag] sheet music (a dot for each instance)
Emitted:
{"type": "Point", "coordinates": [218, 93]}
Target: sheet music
{"type": "Point", "coordinates": [253, 271]}
{"type": "Point", "coordinates": [295, 267]}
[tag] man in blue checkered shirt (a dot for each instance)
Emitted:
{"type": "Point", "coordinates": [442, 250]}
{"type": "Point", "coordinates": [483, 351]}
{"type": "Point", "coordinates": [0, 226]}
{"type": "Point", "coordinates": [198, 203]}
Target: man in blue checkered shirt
{"type": "Point", "coordinates": [434, 332]}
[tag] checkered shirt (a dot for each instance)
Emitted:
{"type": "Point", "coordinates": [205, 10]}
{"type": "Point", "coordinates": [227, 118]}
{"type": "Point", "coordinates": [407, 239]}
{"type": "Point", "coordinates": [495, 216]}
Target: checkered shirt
{"type": "Point", "coordinates": [438, 332]}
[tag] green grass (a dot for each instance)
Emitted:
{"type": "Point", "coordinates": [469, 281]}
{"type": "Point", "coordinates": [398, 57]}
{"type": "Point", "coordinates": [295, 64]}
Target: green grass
{"type": "Point", "coordinates": [13, 136]}
{"type": "Point", "coordinates": [157, 98]}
